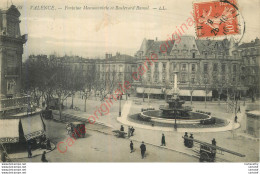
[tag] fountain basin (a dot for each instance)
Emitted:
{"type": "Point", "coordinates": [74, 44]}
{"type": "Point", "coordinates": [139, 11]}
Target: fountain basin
{"type": "Point", "coordinates": [157, 116]}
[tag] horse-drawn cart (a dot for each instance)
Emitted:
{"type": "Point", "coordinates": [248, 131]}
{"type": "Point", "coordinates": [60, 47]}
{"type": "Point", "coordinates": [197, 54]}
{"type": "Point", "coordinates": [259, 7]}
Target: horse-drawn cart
{"type": "Point", "coordinates": [76, 129]}
{"type": "Point", "coordinates": [119, 134]}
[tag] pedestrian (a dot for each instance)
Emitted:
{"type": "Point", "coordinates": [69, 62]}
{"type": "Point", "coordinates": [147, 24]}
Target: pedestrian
{"type": "Point", "coordinates": [122, 128]}
{"type": "Point", "coordinates": [239, 109]}
{"type": "Point", "coordinates": [131, 147]}
{"type": "Point", "coordinates": [132, 131]}
{"type": "Point", "coordinates": [29, 149]}
{"type": "Point", "coordinates": [190, 145]}
{"type": "Point", "coordinates": [214, 142]}
{"type": "Point", "coordinates": [44, 157]}
{"type": "Point", "coordinates": [3, 156]}
{"type": "Point", "coordinates": [236, 119]}
{"type": "Point", "coordinates": [48, 144]}
{"type": "Point", "coordinates": [163, 140]}
{"type": "Point", "coordinates": [129, 132]}
{"type": "Point", "coordinates": [143, 149]}
{"type": "Point", "coordinates": [185, 140]}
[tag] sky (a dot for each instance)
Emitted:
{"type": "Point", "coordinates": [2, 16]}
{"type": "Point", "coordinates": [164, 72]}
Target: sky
{"type": "Point", "coordinates": [92, 33]}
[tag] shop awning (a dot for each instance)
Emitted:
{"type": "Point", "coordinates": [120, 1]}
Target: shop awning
{"type": "Point", "coordinates": [149, 90]}
{"type": "Point", "coordinates": [182, 92]}
{"type": "Point", "coordinates": [32, 127]}
{"type": "Point", "coordinates": [139, 90]}
{"type": "Point", "coordinates": [9, 130]}
{"type": "Point", "coordinates": [196, 93]}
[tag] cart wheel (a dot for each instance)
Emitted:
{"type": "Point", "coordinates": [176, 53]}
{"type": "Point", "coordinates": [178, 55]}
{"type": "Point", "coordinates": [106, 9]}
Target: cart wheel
{"type": "Point", "coordinates": [204, 157]}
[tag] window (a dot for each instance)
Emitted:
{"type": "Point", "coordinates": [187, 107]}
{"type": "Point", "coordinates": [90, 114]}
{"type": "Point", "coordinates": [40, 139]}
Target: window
{"type": "Point", "coordinates": [253, 71]}
{"type": "Point", "coordinates": [205, 67]}
{"type": "Point", "coordinates": [234, 79]}
{"type": "Point", "coordinates": [149, 77]}
{"type": "Point", "coordinates": [163, 79]}
{"type": "Point", "coordinates": [223, 68]}
{"type": "Point", "coordinates": [174, 66]}
{"type": "Point", "coordinates": [172, 79]}
{"type": "Point", "coordinates": [234, 68]}
{"type": "Point", "coordinates": [192, 80]}
{"type": "Point", "coordinates": [183, 67]}
{"type": "Point", "coordinates": [183, 78]}
{"type": "Point", "coordinates": [215, 67]}
{"type": "Point", "coordinates": [164, 66]}
{"type": "Point", "coordinates": [156, 65]}
{"type": "Point", "coordinates": [193, 55]}
{"type": "Point", "coordinates": [156, 78]}
{"type": "Point", "coordinates": [193, 67]}
{"type": "Point", "coordinates": [254, 60]}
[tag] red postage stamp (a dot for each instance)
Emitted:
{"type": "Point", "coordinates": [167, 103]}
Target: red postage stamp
{"type": "Point", "coordinates": [216, 18]}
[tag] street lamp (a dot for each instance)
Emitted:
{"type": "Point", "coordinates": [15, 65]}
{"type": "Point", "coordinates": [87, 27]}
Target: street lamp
{"type": "Point", "coordinates": [120, 106]}
{"type": "Point", "coordinates": [205, 81]}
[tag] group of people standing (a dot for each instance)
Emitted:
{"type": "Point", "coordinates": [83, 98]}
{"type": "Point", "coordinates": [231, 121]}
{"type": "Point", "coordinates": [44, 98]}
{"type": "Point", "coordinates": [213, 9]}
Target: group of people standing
{"type": "Point", "coordinates": [130, 130]}
{"type": "Point", "coordinates": [188, 143]}
{"type": "Point", "coordinates": [142, 147]}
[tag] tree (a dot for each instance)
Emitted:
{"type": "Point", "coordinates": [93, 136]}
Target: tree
{"type": "Point", "coordinates": [204, 81]}
{"type": "Point", "coordinates": [89, 80]}
{"type": "Point", "coordinates": [36, 77]}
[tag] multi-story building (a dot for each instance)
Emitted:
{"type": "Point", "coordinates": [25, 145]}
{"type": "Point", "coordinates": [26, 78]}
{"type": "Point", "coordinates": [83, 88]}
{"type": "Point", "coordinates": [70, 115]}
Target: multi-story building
{"type": "Point", "coordinates": [114, 70]}
{"type": "Point", "coordinates": [205, 68]}
{"type": "Point", "coordinates": [11, 50]}
{"type": "Point", "coordinates": [250, 55]}
{"type": "Point", "coordinates": [20, 121]}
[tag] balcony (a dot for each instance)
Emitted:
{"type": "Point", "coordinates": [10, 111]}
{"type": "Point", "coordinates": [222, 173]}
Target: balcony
{"type": "Point", "coordinates": [14, 103]}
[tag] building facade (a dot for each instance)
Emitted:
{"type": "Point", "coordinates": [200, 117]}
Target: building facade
{"type": "Point", "coordinates": [250, 55]}
{"type": "Point", "coordinates": [205, 68]}
{"type": "Point", "coordinates": [11, 50]}
{"type": "Point", "coordinates": [114, 70]}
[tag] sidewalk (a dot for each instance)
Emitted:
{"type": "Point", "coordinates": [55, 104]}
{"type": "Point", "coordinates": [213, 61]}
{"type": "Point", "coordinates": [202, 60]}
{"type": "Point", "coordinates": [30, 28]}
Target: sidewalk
{"type": "Point", "coordinates": [227, 138]}
{"type": "Point", "coordinates": [35, 152]}
{"type": "Point", "coordinates": [123, 119]}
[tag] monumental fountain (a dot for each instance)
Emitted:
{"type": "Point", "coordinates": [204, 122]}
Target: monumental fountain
{"type": "Point", "coordinates": [175, 112]}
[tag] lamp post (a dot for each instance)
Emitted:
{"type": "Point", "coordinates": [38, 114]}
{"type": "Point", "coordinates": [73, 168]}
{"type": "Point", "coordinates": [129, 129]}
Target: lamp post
{"type": "Point", "coordinates": [206, 81]}
{"type": "Point", "coordinates": [120, 106]}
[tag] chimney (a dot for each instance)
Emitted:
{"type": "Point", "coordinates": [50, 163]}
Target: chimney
{"type": "Point", "coordinates": [156, 39]}
{"type": "Point", "coordinates": [257, 41]}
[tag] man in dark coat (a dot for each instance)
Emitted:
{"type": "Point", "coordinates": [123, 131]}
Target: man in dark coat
{"type": "Point", "coordinates": [163, 140]}
{"type": "Point", "coordinates": [143, 149]}
{"type": "Point", "coordinates": [186, 141]}
{"type": "Point", "coordinates": [131, 146]}
{"type": "Point", "coordinates": [132, 131]}
{"type": "Point", "coordinates": [122, 128]}
{"type": "Point", "coordinates": [29, 149]}
{"type": "Point", "coordinates": [214, 142]}
{"type": "Point", "coordinates": [48, 144]}
{"type": "Point", "coordinates": [190, 145]}
{"type": "Point", "coordinates": [44, 157]}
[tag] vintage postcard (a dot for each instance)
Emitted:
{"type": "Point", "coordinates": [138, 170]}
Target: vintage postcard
{"type": "Point", "coordinates": [129, 81]}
